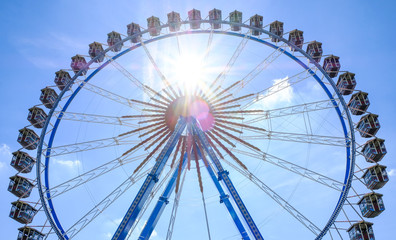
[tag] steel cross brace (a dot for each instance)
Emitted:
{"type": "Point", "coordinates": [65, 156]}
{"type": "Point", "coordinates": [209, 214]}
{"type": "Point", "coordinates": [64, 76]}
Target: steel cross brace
{"type": "Point", "coordinates": [162, 202]}
{"type": "Point", "coordinates": [223, 175]}
{"type": "Point", "coordinates": [224, 198]}
{"type": "Point", "coordinates": [151, 180]}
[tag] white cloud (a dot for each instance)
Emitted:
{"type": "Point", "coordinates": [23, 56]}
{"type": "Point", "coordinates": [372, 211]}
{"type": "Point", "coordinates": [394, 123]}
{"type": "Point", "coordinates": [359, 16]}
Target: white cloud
{"type": "Point", "coordinates": [69, 163]}
{"type": "Point", "coordinates": [5, 155]}
{"type": "Point", "coordinates": [278, 94]}
{"type": "Point", "coordinates": [392, 172]}
{"type": "Point", "coordinates": [5, 150]}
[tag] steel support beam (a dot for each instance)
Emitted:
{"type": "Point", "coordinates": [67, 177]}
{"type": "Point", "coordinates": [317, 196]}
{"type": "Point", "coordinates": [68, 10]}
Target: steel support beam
{"type": "Point", "coordinates": [148, 185]}
{"type": "Point", "coordinates": [162, 202]}
{"type": "Point", "coordinates": [223, 175]}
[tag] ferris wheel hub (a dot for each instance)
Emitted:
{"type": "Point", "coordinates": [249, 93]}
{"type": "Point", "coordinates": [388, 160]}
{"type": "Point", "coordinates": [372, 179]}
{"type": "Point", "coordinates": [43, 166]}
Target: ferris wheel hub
{"type": "Point", "coordinates": [190, 106]}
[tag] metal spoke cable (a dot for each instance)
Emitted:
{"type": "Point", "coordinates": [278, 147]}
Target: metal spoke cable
{"type": "Point", "coordinates": [104, 204]}
{"type": "Point", "coordinates": [110, 95]}
{"type": "Point", "coordinates": [91, 175]}
{"type": "Point", "coordinates": [260, 67]}
{"type": "Point", "coordinates": [277, 87]}
{"type": "Point", "coordinates": [175, 207]}
{"type": "Point", "coordinates": [127, 74]}
{"type": "Point", "coordinates": [220, 78]}
{"type": "Point", "coordinates": [292, 110]}
{"type": "Point", "coordinates": [271, 193]}
{"type": "Point", "coordinates": [307, 173]}
{"type": "Point", "coordinates": [163, 78]}
{"type": "Point", "coordinates": [94, 118]}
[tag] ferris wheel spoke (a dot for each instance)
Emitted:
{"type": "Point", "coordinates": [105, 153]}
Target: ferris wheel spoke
{"type": "Point", "coordinates": [175, 207]}
{"type": "Point", "coordinates": [277, 87]}
{"type": "Point", "coordinates": [149, 139]}
{"type": "Point", "coordinates": [227, 150]}
{"type": "Point", "coordinates": [129, 76]}
{"type": "Point", "coordinates": [89, 145]}
{"type": "Point", "coordinates": [294, 168]}
{"type": "Point", "coordinates": [292, 110]}
{"type": "Point", "coordinates": [162, 76]}
{"type": "Point", "coordinates": [148, 104]}
{"type": "Point", "coordinates": [260, 67]}
{"type": "Point", "coordinates": [91, 175]}
{"type": "Point", "coordinates": [215, 99]}
{"type": "Point", "coordinates": [298, 137]}
{"type": "Point", "coordinates": [93, 118]}
{"type": "Point", "coordinates": [278, 199]}
{"type": "Point", "coordinates": [103, 204]}
{"type": "Point", "coordinates": [216, 106]}
{"type": "Point", "coordinates": [220, 78]}
{"type": "Point", "coordinates": [165, 136]}
{"type": "Point", "coordinates": [110, 95]}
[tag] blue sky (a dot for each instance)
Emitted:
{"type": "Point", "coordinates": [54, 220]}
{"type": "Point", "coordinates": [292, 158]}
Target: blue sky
{"type": "Point", "coordinates": [40, 37]}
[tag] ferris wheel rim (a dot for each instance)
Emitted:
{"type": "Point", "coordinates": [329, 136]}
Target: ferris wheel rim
{"type": "Point", "coordinates": [350, 144]}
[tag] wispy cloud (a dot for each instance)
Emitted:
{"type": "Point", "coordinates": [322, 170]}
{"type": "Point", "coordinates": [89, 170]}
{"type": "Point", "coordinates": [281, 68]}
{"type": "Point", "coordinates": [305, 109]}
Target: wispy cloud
{"type": "Point", "coordinates": [5, 155]}
{"type": "Point", "coordinates": [278, 94]}
{"type": "Point", "coordinates": [5, 150]}
{"type": "Point", "coordinates": [392, 172]}
{"type": "Point", "coordinates": [68, 163]}
{"type": "Point", "coordinates": [40, 50]}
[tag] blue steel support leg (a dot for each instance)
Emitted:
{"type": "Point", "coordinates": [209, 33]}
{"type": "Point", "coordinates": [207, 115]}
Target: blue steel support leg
{"type": "Point", "coordinates": [223, 175]}
{"type": "Point", "coordinates": [162, 202]}
{"type": "Point", "coordinates": [224, 198]}
{"type": "Point", "coordinates": [152, 178]}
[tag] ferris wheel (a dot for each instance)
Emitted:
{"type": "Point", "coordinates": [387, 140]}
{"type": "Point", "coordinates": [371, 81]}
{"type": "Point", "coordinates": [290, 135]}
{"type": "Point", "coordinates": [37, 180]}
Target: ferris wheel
{"type": "Point", "coordinates": [208, 127]}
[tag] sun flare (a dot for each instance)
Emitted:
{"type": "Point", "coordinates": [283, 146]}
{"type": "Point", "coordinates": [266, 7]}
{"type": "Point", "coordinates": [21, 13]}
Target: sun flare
{"type": "Point", "coordinates": [190, 72]}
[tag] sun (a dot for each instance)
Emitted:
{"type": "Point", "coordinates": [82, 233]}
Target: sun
{"type": "Point", "coordinates": [190, 71]}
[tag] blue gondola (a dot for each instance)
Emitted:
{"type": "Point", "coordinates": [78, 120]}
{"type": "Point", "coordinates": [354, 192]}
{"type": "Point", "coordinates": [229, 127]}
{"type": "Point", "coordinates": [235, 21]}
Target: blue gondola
{"type": "Point", "coordinates": [154, 26]}
{"type": "Point", "coordinates": [375, 177]}
{"type": "Point", "coordinates": [48, 97]}
{"type": "Point", "coordinates": [276, 28]}
{"type": "Point", "coordinates": [96, 49]}
{"type": "Point", "coordinates": [174, 21]}
{"type": "Point", "coordinates": [371, 205]}
{"type": "Point", "coordinates": [359, 103]}
{"type": "Point", "coordinates": [346, 83]}
{"type": "Point", "coordinates": [22, 212]}
{"type": "Point", "coordinates": [62, 78]}
{"type": "Point", "coordinates": [28, 233]}
{"type": "Point", "coordinates": [20, 186]}
{"type": "Point", "coordinates": [314, 49]}
{"type": "Point", "coordinates": [296, 37]}
{"type": "Point", "coordinates": [114, 39]}
{"type": "Point", "coordinates": [235, 17]}
{"type": "Point", "coordinates": [37, 117]}
{"type": "Point", "coordinates": [78, 63]}
{"type": "Point", "coordinates": [22, 162]}
{"type": "Point", "coordinates": [194, 16]}
{"type": "Point", "coordinates": [132, 29]}
{"type": "Point", "coordinates": [257, 22]}
{"type": "Point", "coordinates": [331, 65]}
{"type": "Point", "coordinates": [215, 15]}
{"type": "Point", "coordinates": [368, 125]}
{"type": "Point", "coordinates": [28, 138]}
{"type": "Point", "coordinates": [374, 150]}
{"type": "Point", "coordinates": [361, 231]}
